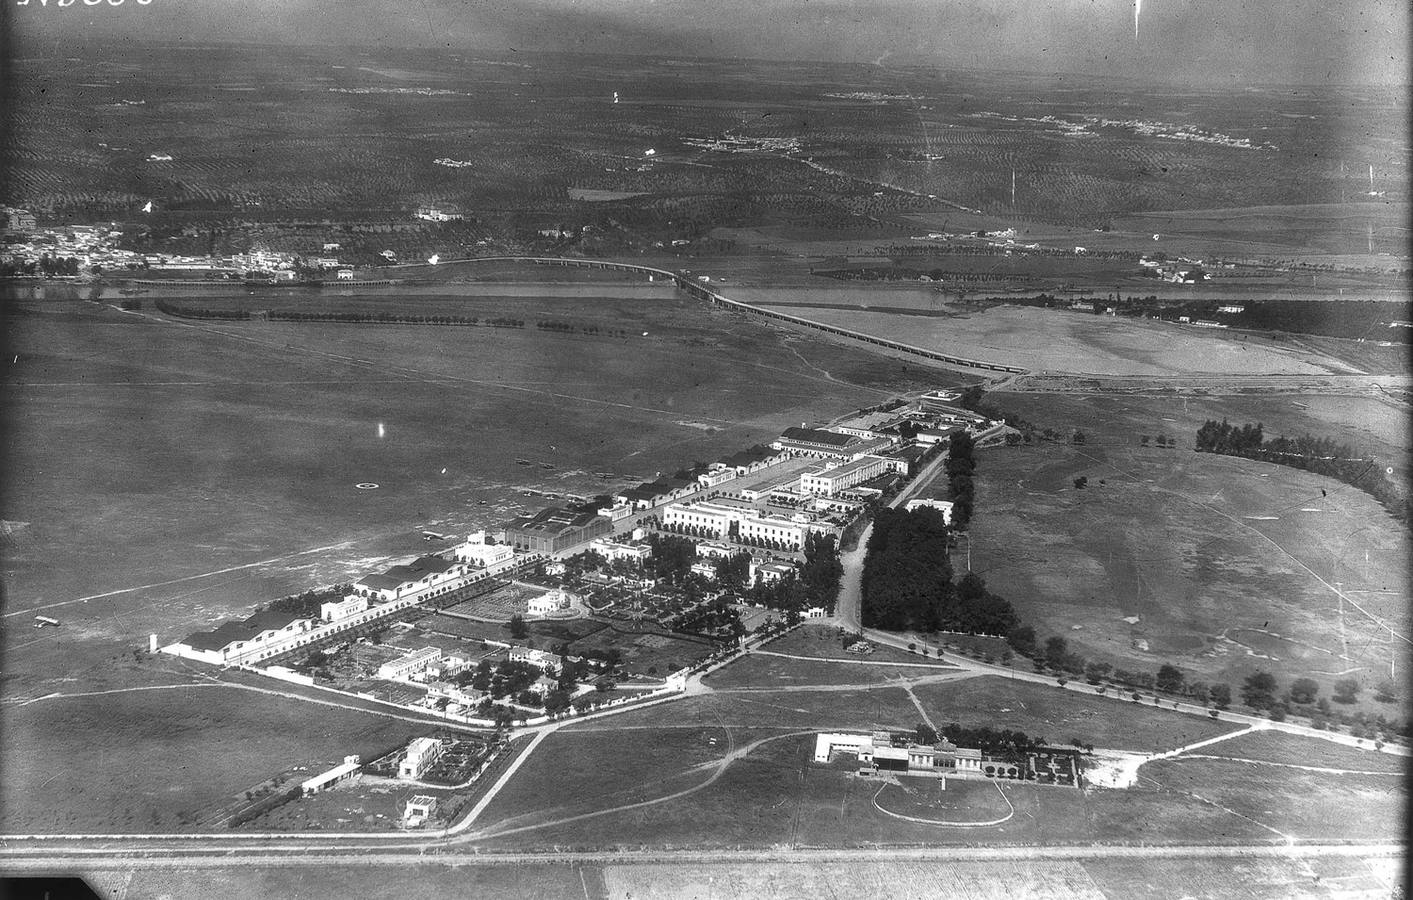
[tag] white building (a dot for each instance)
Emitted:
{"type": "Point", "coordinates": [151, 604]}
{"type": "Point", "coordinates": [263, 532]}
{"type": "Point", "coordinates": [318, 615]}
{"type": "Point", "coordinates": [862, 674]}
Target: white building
{"type": "Point", "coordinates": [614, 550]}
{"type": "Point", "coordinates": [769, 572]}
{"type": "Point", "coordinates": [337, 610]}
{"type": "Point", "coordinates": [719, 474]}
{"type": "Point", "coordinates": [349, 768]}
{"type": "Point", "coordinates": [542, 659]}
{"type": "Point", "coordinates": [418, 810]}
{"type": "Point", "coordinates": [477, 552]}
{"type": "Point", "coordinates": [413, 664]}
{"type": "Point", "coordinates": [548, 603]}
{"type": "Point", "coordinates": [833, 480]}
{"type": "Point", "coordinates": [421, 754]}
{"type": "Point", "coordinates": [704, 569]}
{"type": "Point", "coordinates": [942, 506]}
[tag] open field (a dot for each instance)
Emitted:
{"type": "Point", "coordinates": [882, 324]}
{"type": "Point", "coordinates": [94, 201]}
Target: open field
{"type": "Point", "coordinates": [230, 452]}
{"type": "Point", "coordinates": [1276, 747]}
{"type": "Point", "coordinates": [1228, 565]}
{"type": "Point", "coordinates": [156, 760]}
{"type": "Point", "coordinates": [825, 642]}
{"type": "Point", "coordinates": [1064, 341]}
{"type": "Point", "coordinates": [1058, 716]}
{"type": "Point", "coordinates": [1269, 878]}
{"type": "Point", "coordinates": [757, 670]}
{"type": "Point", "coordinates": [775, 796]}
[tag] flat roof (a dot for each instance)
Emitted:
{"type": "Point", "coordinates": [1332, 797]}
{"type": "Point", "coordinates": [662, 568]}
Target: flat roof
{"type": "Point", "coordinates": [225, 635]}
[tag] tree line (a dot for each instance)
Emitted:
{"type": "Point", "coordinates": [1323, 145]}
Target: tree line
{"type": "Point", "coordinates": [907, 580]}
{"type": "Point", "coordinates": [1323, 456]}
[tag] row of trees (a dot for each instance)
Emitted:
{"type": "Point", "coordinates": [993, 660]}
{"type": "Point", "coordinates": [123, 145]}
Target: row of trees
{"type": "Point", "coordinates": [907, 580]}
{"type": "Point", "coordinates": [1323, 456]}
{"type": "Point", "coordinates": [960, 465]}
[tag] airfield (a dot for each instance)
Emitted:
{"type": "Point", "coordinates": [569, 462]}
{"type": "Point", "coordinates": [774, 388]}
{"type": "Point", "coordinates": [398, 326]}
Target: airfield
{"type": "Point", "coordinates": [178, 470]}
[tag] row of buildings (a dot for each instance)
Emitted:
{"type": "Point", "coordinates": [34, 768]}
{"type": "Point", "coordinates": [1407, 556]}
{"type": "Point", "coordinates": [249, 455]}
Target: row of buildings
{"type": "Point", "coordinates": [269, 633]}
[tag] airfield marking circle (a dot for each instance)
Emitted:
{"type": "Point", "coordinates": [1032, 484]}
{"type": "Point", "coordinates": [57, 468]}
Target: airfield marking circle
{"type": "Point", "coordinates": [366, 486]}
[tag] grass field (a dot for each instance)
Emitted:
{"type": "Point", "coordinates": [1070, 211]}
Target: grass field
{"type": "Point", "coordinates": [1066, 341]}
{"type": "Point", "coordinates": [776, 796]}
{"type": "Point", "coordinates": [155, 760]}
{"type": "Point", "coordinates": [1276, 747]}
{"type": "Point", "coordinates": [1091, 879]}
{"type": "Point", "coordinates": [825, 642]}
{"type": "Point", "coordinates": [230, 452]}
{"type": "Point", "coordinates": [1227, 565]}
{"type": "Point", "coordinates": [1059, 716]}
{"type": "Point", "coordinates": [771, 671]}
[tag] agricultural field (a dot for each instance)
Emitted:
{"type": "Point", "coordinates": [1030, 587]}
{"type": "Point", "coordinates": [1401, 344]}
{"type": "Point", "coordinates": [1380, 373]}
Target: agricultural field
{"type": "Point", "coordinates": [163, 759]}
{"type": "Point", "coordinates": [1218, 565]}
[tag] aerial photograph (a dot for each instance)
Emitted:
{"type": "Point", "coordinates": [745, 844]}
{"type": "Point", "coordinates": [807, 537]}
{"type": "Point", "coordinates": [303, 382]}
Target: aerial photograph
{"type": "Point", "coordinates": [636, 449]}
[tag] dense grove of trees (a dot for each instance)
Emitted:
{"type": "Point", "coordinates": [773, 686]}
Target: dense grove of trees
{"type": "Point", "coordinates": [960, 465]}
{"type": "Point", "coordinates": [816, 583]}
{"type": "Point", "coordinates": [1323, 456]}
{"type": "Point", "coordinates": [907, 580]}
{"type": "Point", "coordinates": [671, 557]}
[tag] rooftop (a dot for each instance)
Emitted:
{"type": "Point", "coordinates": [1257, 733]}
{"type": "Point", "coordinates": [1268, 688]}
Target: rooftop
{"type": "Point", "coordinates": [818, 436]}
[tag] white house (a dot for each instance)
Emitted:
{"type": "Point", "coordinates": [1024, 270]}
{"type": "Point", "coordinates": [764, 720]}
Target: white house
{"type": "Point", "coordinates": [548, 603]}
{"type": "Point", "coordinates": [421, 754]}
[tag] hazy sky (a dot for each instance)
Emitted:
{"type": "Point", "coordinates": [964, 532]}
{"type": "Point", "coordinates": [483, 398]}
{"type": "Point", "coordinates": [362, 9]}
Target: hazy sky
{"type": "Point", "coordinates": [1233, 41]}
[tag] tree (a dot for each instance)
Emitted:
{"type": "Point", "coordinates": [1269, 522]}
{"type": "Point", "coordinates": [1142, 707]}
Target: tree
{"type": "Point", "coordinates": [1303, 690]}
{"type": "Point", "coordinates": [1055, 650]}
{"type": "Point", "coordinates": [1387, 692]}
{"type": "Point", "coordinates": [517, 626]}
{"type": "Point", "coordinates": [1080, 482]}
{"type": "Point", "coordinates": [1259, 690]}
{"type": "Point", "coordinates": [1022, 640]}
{"type": "Point", "coordinates": [1169, 679]}
{"type": "Point", "coordinates": [1096, 672]}
{"type": "Point", "coordinates": [1346, 690]}
{"type": "Point", "coordinates": [1220, 694]}
{"type": "Point", "coordinates": [926, 734]}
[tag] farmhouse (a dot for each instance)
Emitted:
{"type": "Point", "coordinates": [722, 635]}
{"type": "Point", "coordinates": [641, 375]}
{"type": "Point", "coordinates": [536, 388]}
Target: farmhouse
{"type": "Point", "coordinates": [554, 529]}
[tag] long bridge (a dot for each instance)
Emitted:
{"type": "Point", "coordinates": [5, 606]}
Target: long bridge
{"type": "Point", "coordinates": [696, 289]}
